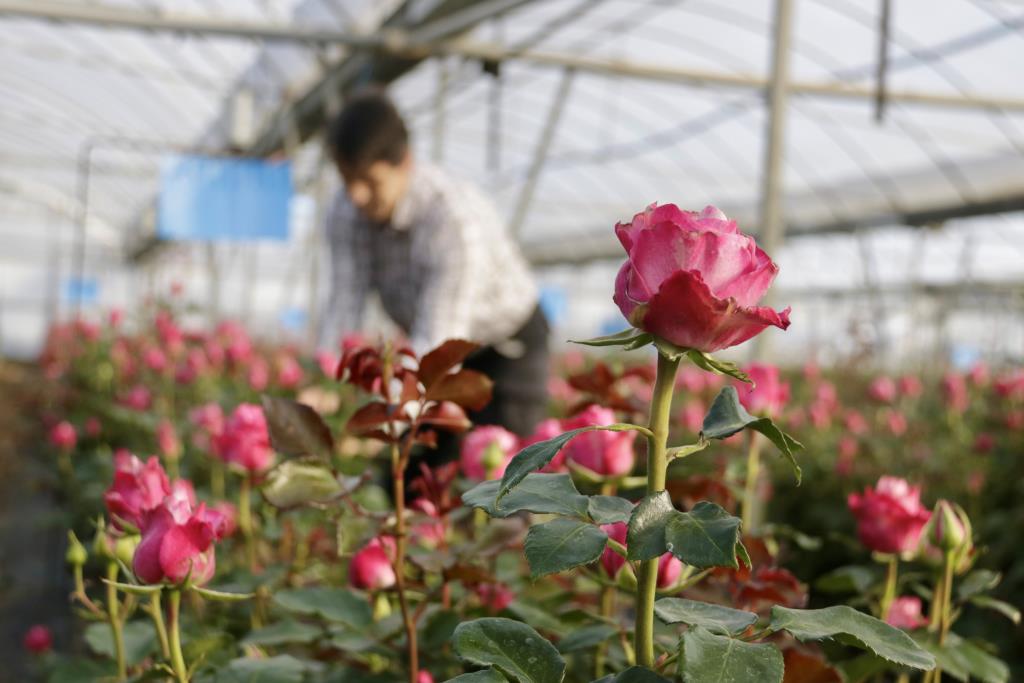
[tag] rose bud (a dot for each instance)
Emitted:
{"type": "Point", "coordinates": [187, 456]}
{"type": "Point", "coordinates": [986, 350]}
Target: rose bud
{"type": "Point", "coordinates": [611, 561]}
{"type": "Point", "coordinates": [486, 452]}
{"type": "Point", "coordinates": [670, 568]}
{"type": "Point", "coordinates": [370, 568]}
{"type": "Point", "coordinates": [76, 554]}
{"type": "Point", "coordinates": [38, 640]}
{"type": "Point", "coordinates": [177, 543]}
{"type": "Point", "coordinates": [905, 613]}
{"type": "Point", "coordinates": [63, 436]}
{"type": "Point", "coordinates": [245, 440]}
{"type": "Point", "coordinates": [910, 386]}
{"type": "Point", "coordinates": [604, 452]}
{"type": "Point", "coordinates": [890, 517]}
{"type": "Point", "coordinates": [424, 677]}
{"type": "Point", "coordinates": [882, 390]}
{"type": "Point", "coordinates": [259, 374]}
{"type": "Point", "coordinates": [494, 596]}
{"type": "Point", "coordinates": [289, 372]}
{"type": "Point", "coordinates": [949, 528]}
{"type": "Point", "coordinates": [693, 279]}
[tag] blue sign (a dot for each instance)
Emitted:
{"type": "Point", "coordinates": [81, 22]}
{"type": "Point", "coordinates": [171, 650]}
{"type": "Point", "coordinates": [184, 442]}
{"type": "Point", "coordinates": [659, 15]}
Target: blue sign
{"type": "Point", "coordinates": [84, 290]}
{"type": "Point", "coordinates": [554, 304]}
{"type": "Point", "coordinates": [293, 319]}
{"type": "Point", "coordinates": [211, 198]}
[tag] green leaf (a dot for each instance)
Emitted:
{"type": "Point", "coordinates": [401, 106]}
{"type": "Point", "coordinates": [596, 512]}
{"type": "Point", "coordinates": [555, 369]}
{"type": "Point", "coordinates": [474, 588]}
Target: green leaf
{"type": "Point", "coordinates": [727, 416]}
{"type": "Point", "coordinates": [629, 338]}
{"type": "Point", "coordinates": [586, 637]}
{"type": "Point", "coordinates": [308, 481]}
{"type": "Point", "coordinates": [849, 579]}
{"type": "Point", "coordinates": [706, 536]}
{"type": "Point", "coordinates": [510, 646]}
{"type": "Point", "coordinates": [537, 455]}
{"type": "Point", "coordinates": [438, 629]}
{"type": "Point", "coordinates": [645, 536]}
{"type": "Point", "coordinates": [485, 676]}
{"type": "Point", "coordinates": [715, 618]}
{"type": "Point", "coordinates": [334, 604]}
{"type": "Point", "coordinates": [81, 670]}
{"type": "Point", "coordinates": [609, 509]}
{"type": "Point", "coordinates": [563, 544]}
{"type": "Point", "coordinates": [279, 669]}
{"type": "Point", "coordinates": [977, 582]}
{"type": "Point", "coordinates": [139, 640]}
{"type": "Point", "coordinates": [1004, 608]}
{"type": "Point", "coordinates": [296, 429]}
{"type": "Point", "coordinates": [684, 451]}
{"type": "Point", "coordinates": [869, 633]}
{"type": "Point", "coordinates": [965, 661]}
{"type": "Point", "coordinates": [708, 362]}
{"type": "Point", "coordinates": [552, 494]}
{"type": "Point", "coordinates": [282, 632]}
{"type": "Point", "coordinates": [221, 596]}
{"type": "Point", "coordinates": [708, 658]}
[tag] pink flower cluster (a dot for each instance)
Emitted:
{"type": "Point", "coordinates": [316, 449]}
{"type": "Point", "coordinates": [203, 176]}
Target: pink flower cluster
{"type": "Point", "coordinates": [890, 517]}
{"type": "Point", "coordinates": [487, 450]}
{"type": "Point", "coordinates": [244, 440]}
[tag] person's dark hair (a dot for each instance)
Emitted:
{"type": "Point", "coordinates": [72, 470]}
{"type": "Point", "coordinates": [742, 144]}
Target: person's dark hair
{"type": "Point", "coordinates": [367, 130]}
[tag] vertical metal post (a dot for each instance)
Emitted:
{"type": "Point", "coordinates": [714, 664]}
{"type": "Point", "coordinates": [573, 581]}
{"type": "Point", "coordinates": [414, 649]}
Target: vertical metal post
{"type": "Point", "coordinates": [540, 154]}
{"type": "Point", "coordinates": [317, 245]}
{"type": "Point", "coordinates": [494, 103]}
{"type": "Point", "coordinates": [772, 221]}
{"type": "Point", "coordinates": [883, 59]}
{"type": "Point", "coordinates": [81, 232]}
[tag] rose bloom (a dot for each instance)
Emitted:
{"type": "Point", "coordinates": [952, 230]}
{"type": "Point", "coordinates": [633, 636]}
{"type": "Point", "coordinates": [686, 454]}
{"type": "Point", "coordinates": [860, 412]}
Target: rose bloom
{"type": "Point", "coordinates": [137, 489]}
{"type": "Point", "coordinates": [905, 613]}
{"type": "Point", "coordinates": [138, 398]}
{"type": "Point", "coordinates": [289, 372]}
{"type": "Point", "coordinates": [423, 676]}
{"type": "Point", "coordinates": [494, 596]}
{"type": "Point", "coordinates": [177, 542]}
{"type": "Point", "coordinates": [38, 640]}
{"type": "Point", "coordinates": [245, 440]}
{"type": "Point", "coordinates": [154, 359]}
{"type": "Point", "coordinates": [693, 279]}
{"type": "Point", "coordinates": [910, 386]}
{"type": "Point", "coordinates": [259, 374]}
{"type": "Point", "coordinates": [954, 390]}
{"type": "Point", "coordinates": [882, 389]}
{"type": "Point", "coordinates": [208, 421]}
{"type": "Point", "coordinates": [547, 429]}
{"type": "Point", "coordinates": [485, 442]}
{"type": "Point", "coordinates": [604, 452]}
{"type": "Point", "coordinates": [769, 394]}
{"type": "Point", "coordinates": [896, 421]}
{"type": "Point", "coordinates": [890, 517]}
{"type": "Point", "coordinates": [370, 568]}
{"type": "Point", "coordinates": [855, 422]}
{"type": "Point", "coordinates": [63, 435]}
{"type": "Point", "coordinates": [328, 363]}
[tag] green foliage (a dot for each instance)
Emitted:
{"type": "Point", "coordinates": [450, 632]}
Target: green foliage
{"type": "Point", "coordinates": [333, 604]}
{"type": "Point", "coordinates": [563, 544]}
{"type": "Point", "coordinates": [708, 658]}
{"type": "Point", "coordinates": [553, 494]}
{"type": "Point", "coordinates": [706, 536]}
{"type": "Point", "coordinates": [629, 339]}
{"type": "Point", "coordinates": [609, 509]}
{"type": "Point", "coordinates": [645, 536]}
{"type": "Point", "coordinates": [139, 640]}
{"type": "Point", "coordinates": [716, 618]}
{"type": "Point", "coordinates": [282, 632]}
{"type": "Point", "coordinates": [510, 646]}
{"type": "Point", "coordinates": [307, 481]}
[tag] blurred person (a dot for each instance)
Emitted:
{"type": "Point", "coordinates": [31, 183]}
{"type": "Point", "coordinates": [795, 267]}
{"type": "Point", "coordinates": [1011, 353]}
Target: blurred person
{"type": "Point", "coordinates": [438, 256]}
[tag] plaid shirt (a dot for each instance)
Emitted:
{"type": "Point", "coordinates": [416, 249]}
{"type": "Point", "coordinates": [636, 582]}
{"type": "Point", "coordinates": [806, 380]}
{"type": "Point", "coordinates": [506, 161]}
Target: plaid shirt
{"type": "Point", "coordinates": [443, 267]}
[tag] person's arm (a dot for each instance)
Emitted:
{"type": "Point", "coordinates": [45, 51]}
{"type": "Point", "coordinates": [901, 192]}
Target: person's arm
{"type": "Point", "coordinates": [452, 256]}
{"type": "Point", "coordinates": [349, 278]}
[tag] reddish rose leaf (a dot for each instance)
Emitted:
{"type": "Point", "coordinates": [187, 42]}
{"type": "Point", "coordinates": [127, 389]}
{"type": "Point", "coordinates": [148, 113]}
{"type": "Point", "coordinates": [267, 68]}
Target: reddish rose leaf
{"type": "Point", "coordinates": [410, 388]}
{"type": "Point", "coordinates": [439, 361]}
{"type": "Point", "coordinates": [447, 416]}
{"type": "Point", "coordinates": [373, 416]}
{"type": "Point", "coordinates": [805, 667]}
{"type": "Point", "coordinates": [296, 429]}
{"type": "Point", "coordinates": [468, 388]}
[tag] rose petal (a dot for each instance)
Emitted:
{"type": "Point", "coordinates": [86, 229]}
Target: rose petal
{"type": "Point", "coordinates": [686, 313]}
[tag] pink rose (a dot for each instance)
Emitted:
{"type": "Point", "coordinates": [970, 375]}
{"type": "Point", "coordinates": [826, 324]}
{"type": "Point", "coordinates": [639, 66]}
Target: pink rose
{"type": "Point", "coordinates": [890, 517]}
{"type": "Point", "coordinates": [208, 421]}
{"type": "Point", "coordinates": [177, 542]}
{"type": "Point", "coordinates": [954, 389]}
{"type": "Point", "coordinates": [855, 422]}
{"type": "Point", "coordinates": [64, 436]}
{"type": "Point", "coordinates": [978, 374]}
{"type": "Point", "coordinates": [289, 372]}
{"type": "Point", "coordinates": [905, 613]}
{"type": "Point", "coordinates": [1010, 385]}
{"type": "Point", "coordinates": [984, 443]}
{"type": "Point", "coordinates": [423, 676]}
{"type": "Point", "coordinates": [167, 440]}
{"type": "Point", "coordinates": [694, 279]}
{"type": "Point", "coordinates": [882, 389]}
{"type": "Point", "coordinates": [328, 363]}
{"type": "Point", "coordinates": [38, 640]}
{"type": "Point", "coordinates": [138, 398]}
{"type": "Point", "coordinates": [371, 567]}
{"type": "Point", "coordinates": [494, 596]}
{"type": "Point", "coordinates": [154, 359]}
{"type": "Point", "coordinates": [430, 533]}
{"type": "Point", "coordinates": [137, 489]}
{"type": "Point", "coordinates": [223, 517]}
{"type": "Point", "coordinates": [910, 386]}
{"type": "Point", "coordinates": [896, 422]}
{"type": "Point", "coordinates": [769, 395]}
{"type": "Point", "coordinates": [245, 440]}
{"type": "Point", "coordinates": [259, 374]}
{"type": "Point", "coordinates": [604, 452]}
{"type": "Point", "coordinates": [486, 452]}
{"type": "Point", "coordinates": [670, 568]}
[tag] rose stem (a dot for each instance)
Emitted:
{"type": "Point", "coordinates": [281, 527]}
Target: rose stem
{"type": "Point", "coordinates": [115, 620]}
{"type": "Point", "coordinates": [177, 659]}
{"type": "Point", "coordinates": [647, 580]}
{"type": "Point", "coordinates": [750, 487]}
{"type": "Point", "coordinates": [892, 569]}
{"type": "Point", "coordinates": [608, 488]}
{"type": "Point", "coordinates": [156, 612]}
{"type": "Point", "coordinates": [245, 519]}
{"type": "Point", "coordinates": [398, 475]}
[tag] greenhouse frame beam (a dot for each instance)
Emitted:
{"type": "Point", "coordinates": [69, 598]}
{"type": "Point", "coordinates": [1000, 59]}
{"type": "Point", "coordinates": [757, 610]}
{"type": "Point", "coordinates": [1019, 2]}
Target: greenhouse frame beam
{"type": "Point", "coordinates": [401, 43]}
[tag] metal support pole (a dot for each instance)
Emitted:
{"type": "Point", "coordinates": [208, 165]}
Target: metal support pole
{"type": "Point", "coordinates": [540, 154]}
{"type": "Point", "coordinates": [494, 102]}
{"type": "Point", "coordinates": [440, 100]}
{"type": "Point", "coordinates": [78, 250]}
{"type": "Point", "coordinates": [883, 59]}
{"type": "Point", "coordinates": [772, 221]}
